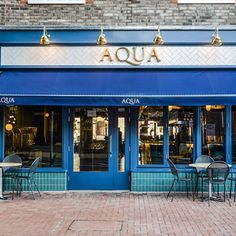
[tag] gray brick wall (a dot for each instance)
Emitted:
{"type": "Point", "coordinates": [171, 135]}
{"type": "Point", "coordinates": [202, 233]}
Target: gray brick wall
{"type": "Point", "coordinates": [116, 13]}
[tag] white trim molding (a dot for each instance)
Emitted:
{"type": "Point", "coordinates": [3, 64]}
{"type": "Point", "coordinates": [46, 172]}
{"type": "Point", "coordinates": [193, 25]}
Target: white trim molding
{"type": "Point", "coordinates": [205, 1]}
{"type": "Point", "coordinates": [56, 1]}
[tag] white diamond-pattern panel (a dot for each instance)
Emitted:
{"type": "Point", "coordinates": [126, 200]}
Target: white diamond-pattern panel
{"type": "Point", "coordinates": [127, 56]}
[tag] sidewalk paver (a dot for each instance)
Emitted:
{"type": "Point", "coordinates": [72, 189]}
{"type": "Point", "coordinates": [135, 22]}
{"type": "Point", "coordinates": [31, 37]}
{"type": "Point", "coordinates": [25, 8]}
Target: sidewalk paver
{"type": "Point", "coordinates": [112, 213]}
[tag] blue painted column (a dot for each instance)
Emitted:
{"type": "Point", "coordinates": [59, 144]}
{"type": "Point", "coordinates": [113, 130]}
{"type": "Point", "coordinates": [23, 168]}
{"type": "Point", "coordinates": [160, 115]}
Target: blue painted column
{"type": "Point", "coordinates": [197, 133]}
{"type": "Point", "coordinates": [67, 142]}
{"type": "Point", "coordinates": [127, 139]}
{"type": "Point", "coordinates": [166, 135]}
{"type": "Point", "coordinates": [1, 133]}
{"type": "Point", "coordinates": [228, 135]}
{"type": "Point", "coordinates": [134, 155]}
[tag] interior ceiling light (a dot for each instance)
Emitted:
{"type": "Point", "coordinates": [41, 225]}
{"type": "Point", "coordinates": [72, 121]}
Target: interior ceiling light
{"type": "Point", "coordinates": [101, 38]}
{"type": "Point", "coordinates": [158, 40]}
{"type": "Point", "coordinates": [216, 39]}
{"type": "Point", "coordinates": [44, 40]}
{"type": "Point", "coordinates": [208, 107]}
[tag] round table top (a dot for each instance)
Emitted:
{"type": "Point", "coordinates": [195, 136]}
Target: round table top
{"type": "Point", "coordinates": [201, 165]}
{"type": "Point", "coordinates": [10, 164]}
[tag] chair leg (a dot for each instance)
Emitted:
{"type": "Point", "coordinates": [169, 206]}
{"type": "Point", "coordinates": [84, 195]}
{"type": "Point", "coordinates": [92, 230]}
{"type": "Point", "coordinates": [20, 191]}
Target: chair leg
{"type": "Point", "coordinates": [202, 189]}
{"type": "Point", "coordinates": [234, 190]}
{"type": "Point", "coordinates": [230, 189]}
{"type": "Point", "coordinates": [13, 188]}
{"type": "Point", "coordinates": [18, 187]}
{"type": "Point", "coordinates": [174, 192]}
{"type": "Point", "coordinates": [36, 186]}
{"type": "Point", "coordinates": [171, 188]}
{"type": "Point", "coordinates": [186, 182]}
{"type": "Point", "coordinates": [30, 186]}
{"type": "Point", "coordinates": [196, 186]}
{"type": "Point", "coordinates": [208, 194]}
{"type": "Point", "coordinates": [227, 195]}
{"type": "Point", "coordinates": [193, 190]}
{"type": "Point", "coordinates": [224, 191]}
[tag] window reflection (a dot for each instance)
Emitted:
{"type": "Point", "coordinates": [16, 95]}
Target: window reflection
{"type": "Point", "coordinates": [213, 131]}
{"type": "Point", "coordinates": [234, 134]}
{"type": "Point", "coordinates": [180, 134]}
{"type": "Point", "coordinates": [151, 133]}
{"type": "Point", "coordinates": [121, 138]}
{"type": "Point", "coordinates": [91, 139]}
{"type": "Point", "coordinates": [34, 131]}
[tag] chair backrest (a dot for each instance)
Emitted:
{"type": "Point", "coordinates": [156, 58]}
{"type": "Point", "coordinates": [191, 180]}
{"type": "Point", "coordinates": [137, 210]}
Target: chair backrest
{"type": "Point", "coordinates": [34, 166]}
{"type": "Point", "coordinates": [13, 158]}
{"type": "Point", "coordinates": [203, 159]}
{"type": "Point", "coordinates": [218, 170]}
{"type": "Point", "coordinates": [173, 169]}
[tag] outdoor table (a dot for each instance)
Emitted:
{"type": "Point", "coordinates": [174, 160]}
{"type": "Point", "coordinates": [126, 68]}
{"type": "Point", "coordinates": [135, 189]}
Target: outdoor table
{"type": "Point", "coordinates": [2, 165]}
{"type": "Point", "coordinates": [204, 166]}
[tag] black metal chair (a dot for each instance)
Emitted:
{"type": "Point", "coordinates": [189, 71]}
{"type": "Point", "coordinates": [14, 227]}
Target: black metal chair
{"type": "Point", "coordinates": [232, 179]}
{"type": "Point", "coordinates": [178, 179]}
{"type": "Point", "coordinates": [28, 175]}
{"type": "Point", "coordinates": [12, 172]}
{"type": "Point", "coordinates": [217, 173]}
{"type": "Point", "coordinates": [201, 172]}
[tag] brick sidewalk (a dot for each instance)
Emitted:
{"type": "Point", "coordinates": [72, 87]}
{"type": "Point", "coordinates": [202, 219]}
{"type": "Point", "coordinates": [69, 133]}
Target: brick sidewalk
{"type": "Point", "coordinates": [104, 213]}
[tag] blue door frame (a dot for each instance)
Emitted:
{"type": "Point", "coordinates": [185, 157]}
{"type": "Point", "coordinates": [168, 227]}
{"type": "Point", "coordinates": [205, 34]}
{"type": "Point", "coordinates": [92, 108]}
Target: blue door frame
{"type": "Point", "coordinates": [107, 180]}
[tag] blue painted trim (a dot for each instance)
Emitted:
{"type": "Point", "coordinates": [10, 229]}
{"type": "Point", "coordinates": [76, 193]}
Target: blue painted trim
{"type": "Point", "coordinates": [113, 123]}
{"type": "Point", "coordinates": [194, 133]}
{"type": "Point", "coordinates": [127, 36]}
{"type": "Point", "coordinates": [70, 141]}
{"type": "Point", "coordinates": [65, 137]}
{"type": "Point", "coordinates": [112, 67]}
{"type": "Point", "coordinates": [127, 140]}
{"type": "Point", "coordinates": [120, 68]}
{"type": "Point", "coordinates": [49, 170]}
{"type": "Point", "coordinates": [2, 133]}
{"type": "Point", "coordinates": [198, 132]}
{"type": "Point", "coordinates": [166, 136]}
{"type": "Point", "coordinates": [228, 135]}
{"type": "Point", "coordinates": [134, 139]}
{"type": "Point", "coordinates": [164, 169]}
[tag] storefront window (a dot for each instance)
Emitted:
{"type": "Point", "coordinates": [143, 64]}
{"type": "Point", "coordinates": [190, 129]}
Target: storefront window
{"type": "Point", "coordinates": [234, 134]}
{"type": "Point", "coordinates": [34, 131]}
{"type": "Point", "coordinates": [151, 132]}
{"type": "Point", "coordinates": [181, 134]}
{"type": "Point", "coordinates": [213, 132]}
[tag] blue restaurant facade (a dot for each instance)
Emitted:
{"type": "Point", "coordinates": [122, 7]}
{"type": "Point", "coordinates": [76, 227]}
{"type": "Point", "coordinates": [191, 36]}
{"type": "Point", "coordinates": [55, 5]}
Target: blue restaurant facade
{"type": "Point", "coordinates": [107, 117]}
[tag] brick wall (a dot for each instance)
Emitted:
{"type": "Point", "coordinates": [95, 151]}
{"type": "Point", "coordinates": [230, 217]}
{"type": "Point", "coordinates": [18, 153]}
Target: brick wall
{"type": "Point", "coordinates": [116, 13]}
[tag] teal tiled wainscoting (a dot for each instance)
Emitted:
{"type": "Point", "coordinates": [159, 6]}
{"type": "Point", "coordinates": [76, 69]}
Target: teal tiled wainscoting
{"type": "Point", "coordinates": [159, 182]}
{"type": "Point", "coordinates": [54, 181]}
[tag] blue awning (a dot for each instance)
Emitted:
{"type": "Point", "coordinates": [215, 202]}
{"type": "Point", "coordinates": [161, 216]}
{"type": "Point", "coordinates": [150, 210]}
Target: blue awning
{"type": "Point", "coordinates": [118, 87]}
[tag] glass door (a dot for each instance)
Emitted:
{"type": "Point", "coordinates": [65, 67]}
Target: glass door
{"type": "Point", "coordinates": [98, 149]}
